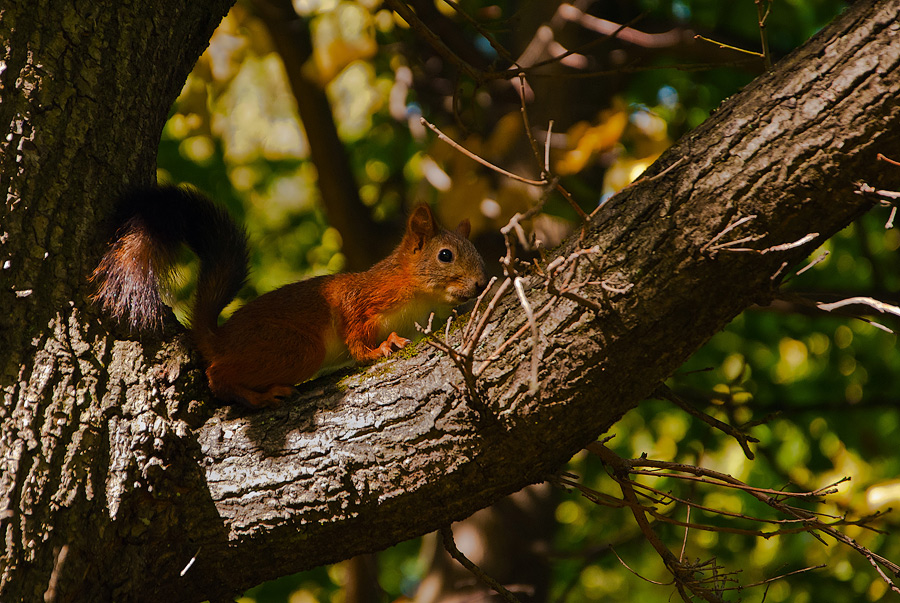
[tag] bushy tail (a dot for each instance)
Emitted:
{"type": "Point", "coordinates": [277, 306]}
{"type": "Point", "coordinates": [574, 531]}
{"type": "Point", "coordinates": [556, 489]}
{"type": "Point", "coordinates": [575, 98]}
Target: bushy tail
{"type": "Point", "coordinates": [152, 224]}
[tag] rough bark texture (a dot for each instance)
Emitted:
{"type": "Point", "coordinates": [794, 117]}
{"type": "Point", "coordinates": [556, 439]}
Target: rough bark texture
{"type": "Point", "coordinates": [114, 477]}
{"type": "Point", "coordinates": [88, 432]}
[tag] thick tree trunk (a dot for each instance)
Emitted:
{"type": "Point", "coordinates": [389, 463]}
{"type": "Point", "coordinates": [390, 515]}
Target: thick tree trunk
{"type": "Point", "coordinates": [96, 446]}
{"type": "Point", "coordinates": [116, 483]}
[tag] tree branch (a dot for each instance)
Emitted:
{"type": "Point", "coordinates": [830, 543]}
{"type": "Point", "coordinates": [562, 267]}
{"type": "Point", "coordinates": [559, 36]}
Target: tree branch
{"type": "Point", "coordinates": [353, 456]}
{"type": "Point", "coordinates": [140, 483]}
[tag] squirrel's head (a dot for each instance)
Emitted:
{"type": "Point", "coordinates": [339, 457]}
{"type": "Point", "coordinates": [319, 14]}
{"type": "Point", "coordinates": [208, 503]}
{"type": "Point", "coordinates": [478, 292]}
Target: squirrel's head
{"type": "Point", "coordinates": [446, 264]}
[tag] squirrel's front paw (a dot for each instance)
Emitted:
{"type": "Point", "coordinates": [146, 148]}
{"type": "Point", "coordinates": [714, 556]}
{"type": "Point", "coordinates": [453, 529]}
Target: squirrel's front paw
{"type": "Point", "coordinates": [393, 343]}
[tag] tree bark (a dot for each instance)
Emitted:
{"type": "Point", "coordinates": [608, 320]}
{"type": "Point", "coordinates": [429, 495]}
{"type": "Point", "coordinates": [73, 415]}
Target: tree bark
{"type": "Point", "coordinates": [122, 480]}
{"type": "Point", "coordinates": [93, 423]}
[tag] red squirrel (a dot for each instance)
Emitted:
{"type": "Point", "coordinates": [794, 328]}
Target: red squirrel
{"type": "Point", "coordinates": [285, 336]}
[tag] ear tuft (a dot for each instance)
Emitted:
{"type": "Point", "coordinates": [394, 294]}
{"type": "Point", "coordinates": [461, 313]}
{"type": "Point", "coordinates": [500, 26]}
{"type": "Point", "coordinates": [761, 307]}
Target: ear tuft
{"type": "Point", "coordinates": [464, 229]}
{"type": "Point", "coordinates": [422, 223]}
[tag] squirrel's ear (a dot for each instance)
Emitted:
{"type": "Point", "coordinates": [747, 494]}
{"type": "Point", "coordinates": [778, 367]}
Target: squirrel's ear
{"type": "Point", "coordinates": [464, 229]}
{"type": "Point", "coordinates": [422, 224]}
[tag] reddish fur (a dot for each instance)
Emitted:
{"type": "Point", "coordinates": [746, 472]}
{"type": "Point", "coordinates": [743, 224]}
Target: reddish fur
{"type": "Point", "coordinates": [130, 269]}
{"type": "Point", "coordinates": [269, 345]}
{"type": "Point", "coordinates": [281, 338]}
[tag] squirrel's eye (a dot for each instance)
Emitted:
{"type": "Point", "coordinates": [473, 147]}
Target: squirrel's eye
{"type": "Point", "coordinates": [445, 255]}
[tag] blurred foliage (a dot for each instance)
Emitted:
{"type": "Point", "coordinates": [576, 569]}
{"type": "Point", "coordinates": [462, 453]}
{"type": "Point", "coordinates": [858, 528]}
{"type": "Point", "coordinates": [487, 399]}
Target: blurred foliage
{"type": "Point", "coordinates": [826, 385]}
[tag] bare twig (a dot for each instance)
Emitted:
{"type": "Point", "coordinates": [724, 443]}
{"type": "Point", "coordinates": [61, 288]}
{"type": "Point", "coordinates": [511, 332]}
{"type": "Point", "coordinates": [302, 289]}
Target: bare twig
{"type": "Point", "coordinates": [485, 316]}
{"type": "Point", "coordinates": [731, 245]}
{"type": "Point", "coordinates": [764, 39]}
{"type": "Point", "coordinates": [864, 301]}
{"type": "Point", "coordinates": [479, 369]}
{"type": "Point", "coordinates": [731, 226]}
{"type": "Point", "coordinates": [545, 170]}
{"type": "Point", "coordinates": [818, 259]}
{"type": "Point", "coordinates": [628, 68]}
{"type": "Point", "coordinates": [742, 438]}
{"type": "Point", "coordinates": [687, 519]}
{"type": "Point", "coordinates": [644, 179]}
{"type": "Point", "coordinates": [51, 593]}
{"type": "Point", "coordinates": [636, 573]}
{"type": "Point", "coordinates": [190, 563]}
{"type": "Point", "coordinates": [728, 46]}
{"type": "Point", "coordinates": [592, 45]}
{"type": "Point", "coordinates": [570, 263]}
{"type": "Point", "coordinates": [535, 339]}
{"type": "Point", "coordinates": [793, 573]}
{"type": "Point", "coordinates": [813, 525]}
{"type": "Point", "coordinates": [785, 246]}
{"type": "Point", "coordinates": [409, 15]}
{"type": "Point", "coordinates": [693, 473]}
{"type": "Point", "coordinates": [499, 48]}
{"type": "Point", "coordinates": [568, 197]}
{"type": "Point", "coordinates": [622, 32]}
{"type": "Point", "coordinates": [881, 157]}
{"type": "Point", "coordinates": [450, 545]}
{"type": "Point", "coordinates": [682, 572]}
{"type": "Point", "coordinates": [479, 159]}
{"type": "Point", "coordinates": [471, 322]}
{"type": "Point", "coordinates": [836, 307]}
{"type": "Point", "coordinates": [549, 136]}
{"type": "Point", "coordinates": [885, 197]}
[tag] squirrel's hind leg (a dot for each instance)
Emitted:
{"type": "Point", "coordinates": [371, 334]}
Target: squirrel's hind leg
{"type": "Point", "coordinates": [262, 377]}
{"type": "Point", "coordinates": [230, 391]}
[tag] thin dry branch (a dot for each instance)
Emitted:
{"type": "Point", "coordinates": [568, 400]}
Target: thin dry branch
{"type": "Point", "coordinates": [880, 306]}
{"type": "Point", "coordinates": [569, 264]}
{"type": "Point", "coordinates": [495, 355]}
{"type": "Point", "coordinates": [779, 577]}
{"type": "Point", "coordinates": [665, 498]}
{"type": "Point", "coordinates": [785, 246]}
{"type": "Point", "coordinates": [498, 48]}
{"type": "Point", "coordinates": [450, 545]}
{"type": "Point", "coordinates": [526, 122]}
{"type": "Point", "coordinates": [729, 46]}
{"type": "Point", "coordinates": [624, 32]}
{"type": "Point", "coordinates": [818, 259]}
{"type": "Point", "coordinates": [883, 196]}
{"type": "Point", "coordinates": [467, 330]}
{"type": "Point", "coordinates": [592, 45]}
{"type": "Point", "coordinates": [623, 469]}
{"type": "Point", "coordinates": [837, 307]}
{"type": "Point", "coordinates": [548, 179]}
{"type": "Point", "coordinates": [881, 157]}
{"type": "Point", "coordinates": [684, 574]}
{"type": "Point", "coordinates": [409, 15]}
{"type": "Point", "coordinates": [478, 158]}
{"type": "Point", "coordinates": [782, 247]}
{"type": "Point", "coordinates": [633, 68]}
{"type": "Point", "coordinates": [742, 438]}
{"type": "Point", "coordinates": [734, 223]}
{"type": "Point", "coordinates": [764, 38]}
{"type": "Point", "coordinates": [636, 573]}
{"type": "Point", "coordinates": [535, 336]}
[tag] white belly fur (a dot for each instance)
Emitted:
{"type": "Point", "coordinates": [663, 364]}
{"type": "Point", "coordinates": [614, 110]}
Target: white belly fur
{"type": "Point", "coordinates": [404, 320]}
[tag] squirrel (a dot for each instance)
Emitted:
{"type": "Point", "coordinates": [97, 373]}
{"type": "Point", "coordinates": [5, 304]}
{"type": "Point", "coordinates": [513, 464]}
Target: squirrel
{"type": "Point", "coordinates": [285, 336]}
